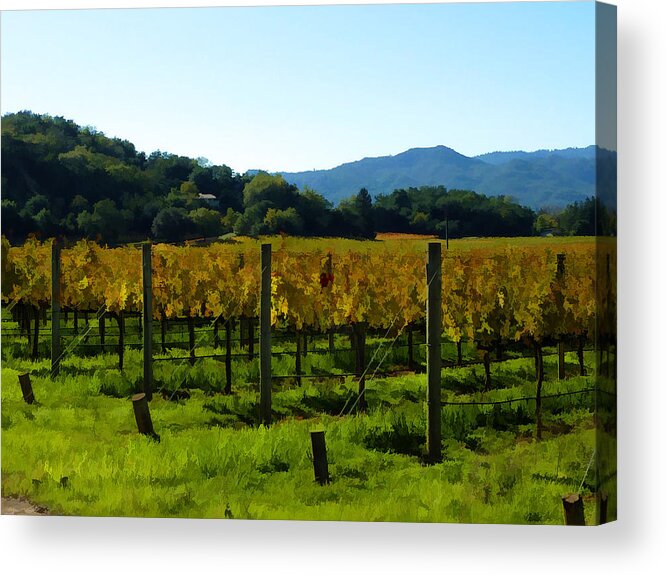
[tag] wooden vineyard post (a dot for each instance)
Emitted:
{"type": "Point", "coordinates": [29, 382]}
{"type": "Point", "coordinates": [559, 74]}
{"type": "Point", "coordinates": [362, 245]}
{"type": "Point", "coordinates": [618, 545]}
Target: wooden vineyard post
{"type": "Point", "coordinates": [359, 353]}
{"type": "Point", "coordinates": [297, 358]}
{"type": "Point", "coordinates": [27, 314]}
{"type": "Point", "coordinates": [242, 332]}
{"type": "Point", "coordinates": [486, 370]}
{"type": "Point", "coordinates": [250, 338]}
{"type": "Point", "coordinates": [121, 339]}
{"type": "Point", "coordinates": [216, 333]}
{"type": "Point", "coordinates": [85, 317]}
{"type": "Point", "coordinates": [581, 356]}
{"type": "Point", "coordinates": [331, 340]}
{"type": "Point", "coordinates": [35, 337]}
{"type": "Point", "coordinates": [26, 388]}
{"type": "Point", "coordinates": [539, 369]}
{"type": "Point", "coordinates": [227, 358]}
{"type": "Point", "coordinates": [191, 340]}
{"type": "Point", "coordinates": [434, 347]}
{"type": "Point", "coordinates": [560, 345]}
{"type": "Point", "coordinates": [147, 269]}
{"type": "Point", "coordinates": [55, 308]}
{"type": "Point", "coordinates": [319, 458]}
{"type": "Point", "coordinates": [574, 513]}
{"type": "Point", "coordinates": [144, 423]}
{"type": "Point", "coordinates": [265, 336]}
{"type": "Point", "coordinates": [561, 373]}
{"type": "Point", "coordinates": [163, 330]}
{"type": "Point", "coordinates": [602, 504]}
{"type": "Point", "coordinates": [102, 330]}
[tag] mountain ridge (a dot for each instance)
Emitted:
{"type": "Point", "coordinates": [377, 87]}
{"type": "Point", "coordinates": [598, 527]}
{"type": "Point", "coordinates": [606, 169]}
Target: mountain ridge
{"type": "Point", "coordinates": [535, 179]}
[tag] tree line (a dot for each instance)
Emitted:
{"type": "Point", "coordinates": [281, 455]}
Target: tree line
{"type": "Point", "coordinates": [62, 179]}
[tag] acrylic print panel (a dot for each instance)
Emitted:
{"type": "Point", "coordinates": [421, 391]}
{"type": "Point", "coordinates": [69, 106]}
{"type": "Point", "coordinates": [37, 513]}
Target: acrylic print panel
{"type": "Point", "coordinates": [322, 263]}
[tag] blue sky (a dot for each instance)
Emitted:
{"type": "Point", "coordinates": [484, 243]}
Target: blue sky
{"type": "Point", "coordinates": [297, 88]}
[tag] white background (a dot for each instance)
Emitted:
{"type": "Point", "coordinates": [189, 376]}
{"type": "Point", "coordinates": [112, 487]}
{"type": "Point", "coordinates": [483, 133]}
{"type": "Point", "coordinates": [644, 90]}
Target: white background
{"type": "Point", "coordinates": [633, 544]}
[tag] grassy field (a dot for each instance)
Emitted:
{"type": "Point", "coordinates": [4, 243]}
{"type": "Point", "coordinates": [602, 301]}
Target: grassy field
{"type": "Point", "coordinates": [77, 450]}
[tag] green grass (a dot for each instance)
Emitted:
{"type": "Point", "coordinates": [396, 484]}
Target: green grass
{"type": "Point", "coordinates": [77, 451]}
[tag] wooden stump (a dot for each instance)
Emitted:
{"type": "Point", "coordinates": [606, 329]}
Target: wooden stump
{"type": "Point", "coordinates": [319, 459]}
{"type": "Point", "coordinates": [142, 415]}
{"type": "Point", "coordinates": [574, 513]}
{"type": "Point", "coordinates": [26, 388]}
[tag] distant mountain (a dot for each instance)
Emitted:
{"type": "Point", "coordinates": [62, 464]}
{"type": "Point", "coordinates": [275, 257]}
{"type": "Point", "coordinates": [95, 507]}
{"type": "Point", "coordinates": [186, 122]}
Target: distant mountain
{"type": "Point", "coordinates": [534, 179]}
{"type": "Point", "coordinates": [504, 157]}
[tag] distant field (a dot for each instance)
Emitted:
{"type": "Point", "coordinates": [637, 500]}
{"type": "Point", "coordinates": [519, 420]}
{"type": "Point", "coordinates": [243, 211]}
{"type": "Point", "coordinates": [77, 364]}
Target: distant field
{"type": "Point", "coordinates": [474, 243]}
{"type": "Point", "coordinates": [412, 241]}
{"type": "Point", "coordinates": [397, 236]}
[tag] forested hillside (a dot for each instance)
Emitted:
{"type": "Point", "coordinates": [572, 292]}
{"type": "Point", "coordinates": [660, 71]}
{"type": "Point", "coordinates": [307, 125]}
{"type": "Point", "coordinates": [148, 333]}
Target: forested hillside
{"type": "Point", "coordinates": [59, 178]}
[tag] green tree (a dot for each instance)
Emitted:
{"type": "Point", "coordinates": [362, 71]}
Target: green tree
{"type": "Point", "coordinates": [229, 220]}
{"type": "Point", "coordinates": [78, 204]}
{"type": "Point", "coordinates": [286, 221]}
{"type": "Point", "coordinates": [172, 224]}
{"type": "Point", "coordinates": [185, 196]}
{"type": "Point", "coordinates": [274, 191]}
{"type": "Point", "coordinates": [105, 222]}
{"type": "Point", "coordinates": [206, 222]}
{"type": "Point", "coordinates": [35, 204]}
{"type": "Point", "coordinates": [545, 223]}
{"type": "Point", "coordinates": [363, 202]}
